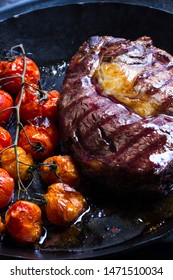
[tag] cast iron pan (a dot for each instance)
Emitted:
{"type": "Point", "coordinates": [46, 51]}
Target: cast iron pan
{"type": "Point", "coordinates": [52, 36]}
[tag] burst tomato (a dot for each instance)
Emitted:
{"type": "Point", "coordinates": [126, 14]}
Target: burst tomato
{"type": "Point", "coordinates": [6, 188]}
{"type": "Point", "coordinates": [9, 163]}
{"type": "Point", "coordinates": [5, 138]}
{"type": "Point", "coordinates": [59, 169]}
{"type": "Point", "coordinates": [6, 102]}
{"type": "Point", "coordinates": [23, 221]}
{"type": "Point", "coordinates": [63, 204]}
{"type": "Point", "coordinates": [39, 138]}
{"type": "Point", "coordinates": [38, 103]}
{"type": "Point", "coordinates": [10, 70]}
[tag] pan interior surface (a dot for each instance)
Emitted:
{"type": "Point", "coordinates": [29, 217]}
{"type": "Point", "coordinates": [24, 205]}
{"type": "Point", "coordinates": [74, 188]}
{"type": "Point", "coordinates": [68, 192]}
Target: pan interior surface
{"type": "Point", "coordinates": [52, 36]}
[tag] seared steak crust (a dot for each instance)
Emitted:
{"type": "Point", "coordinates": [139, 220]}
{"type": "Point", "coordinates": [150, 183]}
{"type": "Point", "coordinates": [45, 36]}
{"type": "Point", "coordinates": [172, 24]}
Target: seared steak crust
{"type": "Point", "coordinates": [125, 143]}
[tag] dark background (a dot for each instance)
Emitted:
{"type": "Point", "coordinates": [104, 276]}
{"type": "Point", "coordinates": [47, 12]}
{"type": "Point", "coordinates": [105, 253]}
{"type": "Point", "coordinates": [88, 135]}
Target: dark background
{"type": "Point", "coordinates": [163, 248]}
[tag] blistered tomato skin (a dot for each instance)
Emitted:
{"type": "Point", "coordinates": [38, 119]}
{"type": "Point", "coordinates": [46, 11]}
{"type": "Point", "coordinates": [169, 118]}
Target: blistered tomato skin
{"type": "Point", "coordinates": [8, 162]}
{"type": "Point", "coordinates": [59, 169]}
{"type": "Point", "coordinates": [39, 138]}
{"type": "Point", "coordinates": [6, 101]}
{"type": "Point", "coordinates": [6, 188]}
{"type": "Point", "coordinates": [10, 70]}
{"type": "Point", "coordinates": [63, 204]}
{"type": "Point", "coordinates": [35, 103]}
{"type": "Point", "coordinates": [23, 221]}
{"type": "Point", "coordinates": [5, 139]}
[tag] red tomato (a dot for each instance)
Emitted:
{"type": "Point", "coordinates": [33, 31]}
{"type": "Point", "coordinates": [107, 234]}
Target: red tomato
{"type": "Point", "coordinates": [6, 188]}
{"type": "Point", "coordinates": [5, 138]}
{"type": "Point", "coordinates": [10, 69]}
{"type": "Point", "coordinates": [63, 204]}
{"type": "Point", "coordinates": [2, 226]}
{"type": "Point", "coordinates": [8, 162]}
{"type": "Point", "coordinates": [37, 103]}
{"type": "Point", "coordinates": [39, 138]}
{"type": "Point", "coordinates": [59, 169]}
{"type": "Point", "coordinates": [6, 101]}
{"type": "Point", "coordinates": [23, 221]}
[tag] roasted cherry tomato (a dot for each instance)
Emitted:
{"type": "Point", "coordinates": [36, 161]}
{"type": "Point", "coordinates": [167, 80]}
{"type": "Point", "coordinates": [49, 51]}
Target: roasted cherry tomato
{"type": "Point", "coordinates": [38, 103]}
{"type": "Point", "coordinates": [39, 138]}
{"type": "Point", "coordinates": [63, 204]}
{"type": "Point", "coordinates": [2, 226]}
{"type": "Point", "coordinates": [5, 138]}
{"type": "Point", "coordinates": [23, 221]}
{"type": "Point", "coordinates": [9, 163]}
{"type": "Point", "coordinates": [6, 188]}
{"type": "Point", "coordinates": [6, 102]}
{"type": "Point", "coordinates": [59, 169]}
{"type": "Point", "coordinates": [9, 70]}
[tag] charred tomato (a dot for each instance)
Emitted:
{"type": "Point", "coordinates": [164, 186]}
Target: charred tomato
{"type": "Point", "coordinates": [5, 138]}
{"type": "Point", "coordinates": [60, 169]}
{"type": "Point", "coordinates": [39, 138]}
{"type": "Point", "coordinates": [11, 71]}
{"type": "Point", "coordinates": [23, 221]}
{"type": "Point", "coordinates": [36, 102]}
{"type": "Point", "coordinates": [63, 204]}
{"type": "Point", "coordinates": [6, 103]}
{"type": "Point", "coordinates": [6, 188]}
{"type": "Point", "coordinates": [9, 160]}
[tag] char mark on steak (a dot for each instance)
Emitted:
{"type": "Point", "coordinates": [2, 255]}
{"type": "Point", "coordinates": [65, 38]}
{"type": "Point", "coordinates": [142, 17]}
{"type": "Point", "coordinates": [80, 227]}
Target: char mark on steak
{"type": "Point", "coordinates": [116, 114]}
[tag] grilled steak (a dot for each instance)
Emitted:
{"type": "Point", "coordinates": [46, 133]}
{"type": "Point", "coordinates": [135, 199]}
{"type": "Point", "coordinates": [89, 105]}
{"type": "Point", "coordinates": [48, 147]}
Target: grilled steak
{"type": "Point", "coordinates": [116, 114]}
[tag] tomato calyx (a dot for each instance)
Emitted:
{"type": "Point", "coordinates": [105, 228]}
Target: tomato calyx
{"type": "Point", "coordinates": [40, 93]}
{"type": "Point", "coordinates": [43, 96]}
{"type": "Point", "coordinates": [38, 147]}
{"type": "Point", "coordinates": [52, 167]}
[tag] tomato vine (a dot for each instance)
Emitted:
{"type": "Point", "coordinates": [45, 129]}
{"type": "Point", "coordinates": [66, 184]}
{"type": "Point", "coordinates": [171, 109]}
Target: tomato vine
{"type": "Point", "coordinates": [21, 186]}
